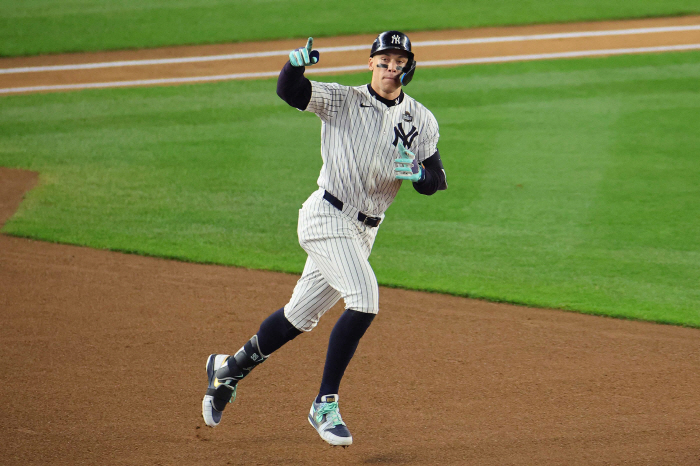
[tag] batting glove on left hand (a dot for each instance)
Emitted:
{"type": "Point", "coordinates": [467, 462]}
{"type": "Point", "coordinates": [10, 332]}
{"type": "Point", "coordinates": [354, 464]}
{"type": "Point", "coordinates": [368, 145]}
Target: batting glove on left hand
{"type": "Point", "coordinates": [304, 56]}
{"type": "Point", "coordinates": [407, 167]}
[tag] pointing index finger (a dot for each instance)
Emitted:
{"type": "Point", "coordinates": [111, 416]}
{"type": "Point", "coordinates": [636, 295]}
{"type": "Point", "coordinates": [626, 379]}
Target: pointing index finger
{"type": "Point", "coordinates": [310, 44]}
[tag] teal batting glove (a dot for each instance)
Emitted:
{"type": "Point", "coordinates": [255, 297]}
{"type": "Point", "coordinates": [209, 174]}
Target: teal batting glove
{"type": "Point", "coordinates": [304, 56]}
{"type": "Point", "coordinates": [407, 167]}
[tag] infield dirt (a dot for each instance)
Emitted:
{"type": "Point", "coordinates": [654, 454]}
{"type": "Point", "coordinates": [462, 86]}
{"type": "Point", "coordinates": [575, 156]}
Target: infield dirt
{"type": "Point", "coordinates": [338, 58]}
{"type": "Point", "coordinates": [103, 360]}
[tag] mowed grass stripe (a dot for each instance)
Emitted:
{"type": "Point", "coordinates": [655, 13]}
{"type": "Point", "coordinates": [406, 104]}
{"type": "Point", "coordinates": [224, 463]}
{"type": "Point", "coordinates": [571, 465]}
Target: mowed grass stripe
{"type": "Point", "coordinates": [573, 184]}
{"type": "Point", "coordinates": [34, 27]}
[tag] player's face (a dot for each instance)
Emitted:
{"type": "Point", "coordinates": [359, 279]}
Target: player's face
{"type": "Point", "coordinates": [386, 72]}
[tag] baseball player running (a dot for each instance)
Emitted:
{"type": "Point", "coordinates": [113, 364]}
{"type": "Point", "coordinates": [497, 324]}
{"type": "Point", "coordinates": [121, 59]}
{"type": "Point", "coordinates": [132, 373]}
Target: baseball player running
{"type": "Point", "coordinates": [373, 137]}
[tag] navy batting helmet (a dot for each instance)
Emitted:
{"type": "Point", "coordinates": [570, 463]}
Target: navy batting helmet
{"type": "Point", "coordinates": [395, 40]}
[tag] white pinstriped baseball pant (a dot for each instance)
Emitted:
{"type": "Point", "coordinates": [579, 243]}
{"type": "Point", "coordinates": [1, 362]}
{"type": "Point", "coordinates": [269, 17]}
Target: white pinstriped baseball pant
{"type": "Point", "coordinates": [338, 246]}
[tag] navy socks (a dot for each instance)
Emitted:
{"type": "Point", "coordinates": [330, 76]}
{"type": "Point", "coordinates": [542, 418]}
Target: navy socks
{"type": "Point", "coordinates": [275, 331]}
{"type": "Point", "coordinates": [346, 334]}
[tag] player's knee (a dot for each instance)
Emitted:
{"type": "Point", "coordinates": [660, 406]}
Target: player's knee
{"type": "Point", "coordinates": [305, 324]}
{"type": "Point", "coordinates": [356, 323]}
{"type": "Point", "coordinates": [367, 308]}
{"type": "Point", "coordinates": [364, 315]}
{"type": "Point", "coordinates": [370, 309]}
{"type": "Point", "coordinates": [361, 303]}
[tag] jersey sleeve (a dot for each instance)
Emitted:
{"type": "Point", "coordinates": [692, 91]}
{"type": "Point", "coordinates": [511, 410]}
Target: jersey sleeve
{"type": "Point", "coordinates": [326, 99]}
{"type": "Point", "coordinates": [427, 143]}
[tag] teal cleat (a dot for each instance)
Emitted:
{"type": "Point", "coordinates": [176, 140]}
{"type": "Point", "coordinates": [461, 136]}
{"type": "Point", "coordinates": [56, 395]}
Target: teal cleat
{"type": "Point", "coordinates": [325, 418]}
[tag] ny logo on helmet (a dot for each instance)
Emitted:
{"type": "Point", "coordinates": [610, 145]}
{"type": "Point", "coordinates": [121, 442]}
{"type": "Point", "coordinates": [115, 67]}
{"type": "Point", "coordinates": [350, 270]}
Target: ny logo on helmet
{"type": "Point", "coordinates": [406, 139]}
{"type": "Point", "coordinates": [395, 39]}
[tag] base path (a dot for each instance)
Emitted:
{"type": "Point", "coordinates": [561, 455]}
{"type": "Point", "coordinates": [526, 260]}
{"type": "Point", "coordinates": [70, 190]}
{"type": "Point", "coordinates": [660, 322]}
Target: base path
{"type": "Point", "coordinates": [179, 65]}
{"type": "Point", "coordinates": [103, 362]}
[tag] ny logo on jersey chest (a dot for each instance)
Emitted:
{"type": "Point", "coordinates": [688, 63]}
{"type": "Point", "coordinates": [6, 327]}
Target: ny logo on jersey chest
{"type": "Point", "coordinates": [406, 138]}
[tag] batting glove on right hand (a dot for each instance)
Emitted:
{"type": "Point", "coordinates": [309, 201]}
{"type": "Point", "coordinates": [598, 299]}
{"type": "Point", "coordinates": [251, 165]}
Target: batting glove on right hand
{"type": "Point", "coordinates": [304, 56]}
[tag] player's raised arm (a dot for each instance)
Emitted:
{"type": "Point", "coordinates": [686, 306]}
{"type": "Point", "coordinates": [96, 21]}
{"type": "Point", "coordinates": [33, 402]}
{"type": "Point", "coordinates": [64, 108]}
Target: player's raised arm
{"type": "Point", "coordinates": [292, 86]}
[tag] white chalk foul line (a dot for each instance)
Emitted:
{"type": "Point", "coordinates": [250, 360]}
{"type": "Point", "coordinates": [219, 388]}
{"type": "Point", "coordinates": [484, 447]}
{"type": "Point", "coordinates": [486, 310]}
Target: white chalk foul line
{"type": "Point", "coordinates": [140, 82]}
{"type": "Point", "coordinates": [349, 48]}
{"type": "Point", "coordinates": [562, 35]}
{"type": "Point", "coordinates": [341, 69]}
{"type": "Point", "coordinates": [548, 56]}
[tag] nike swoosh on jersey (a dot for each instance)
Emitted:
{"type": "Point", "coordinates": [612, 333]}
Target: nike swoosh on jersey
{"type": "Point", "coordinates": [365, 106]}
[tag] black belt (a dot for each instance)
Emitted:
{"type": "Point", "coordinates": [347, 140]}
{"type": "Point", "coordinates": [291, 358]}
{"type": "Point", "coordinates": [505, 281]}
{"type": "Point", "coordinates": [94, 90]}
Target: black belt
{"type": "Point", "coordinates": [338, 204]}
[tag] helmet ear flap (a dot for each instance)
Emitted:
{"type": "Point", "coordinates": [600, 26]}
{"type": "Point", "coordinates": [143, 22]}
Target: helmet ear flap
{"type": "Point", "coordinates": [408, 75]}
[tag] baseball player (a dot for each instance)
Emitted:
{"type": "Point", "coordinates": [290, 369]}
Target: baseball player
{"type": "Point", "coordinates": [373, 138]}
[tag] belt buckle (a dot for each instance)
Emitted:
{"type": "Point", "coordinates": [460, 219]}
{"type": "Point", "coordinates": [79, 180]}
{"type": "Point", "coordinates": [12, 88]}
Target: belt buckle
{"type": "Point", "coordinates": [370, 221]}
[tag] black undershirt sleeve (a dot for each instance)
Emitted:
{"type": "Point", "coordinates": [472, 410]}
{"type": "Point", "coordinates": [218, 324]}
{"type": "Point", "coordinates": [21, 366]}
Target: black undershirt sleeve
{"type": "Point", "coordinates": [434, 179]}
{"type": "Point", "coordinates": [293, 87]}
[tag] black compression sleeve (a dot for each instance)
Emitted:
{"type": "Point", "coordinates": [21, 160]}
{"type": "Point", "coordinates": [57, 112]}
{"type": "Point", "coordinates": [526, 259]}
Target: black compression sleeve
{"type": "Point", "coordinates": [434, 179]}
{"type": "Point", "coordinates": [293, 87]}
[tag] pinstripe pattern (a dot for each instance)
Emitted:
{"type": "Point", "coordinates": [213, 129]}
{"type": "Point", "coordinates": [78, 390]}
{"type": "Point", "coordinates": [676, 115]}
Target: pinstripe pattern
{"type": "Point", "coordinates": [338, 246]}
{"type": "Point", "coordinates": [357, 146]}
{"type": "Point", "coordinates": [356, 143]}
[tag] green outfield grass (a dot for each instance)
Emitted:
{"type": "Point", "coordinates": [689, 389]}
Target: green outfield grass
{"type": "Point", "coordinates": [31, 27]}
{"type": "Point", "coordinates": [573, 184]}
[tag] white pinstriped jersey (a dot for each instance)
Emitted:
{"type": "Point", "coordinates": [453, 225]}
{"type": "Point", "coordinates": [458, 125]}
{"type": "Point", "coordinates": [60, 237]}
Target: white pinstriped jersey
{"type": "Point", "coordinates": [359, 135]}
